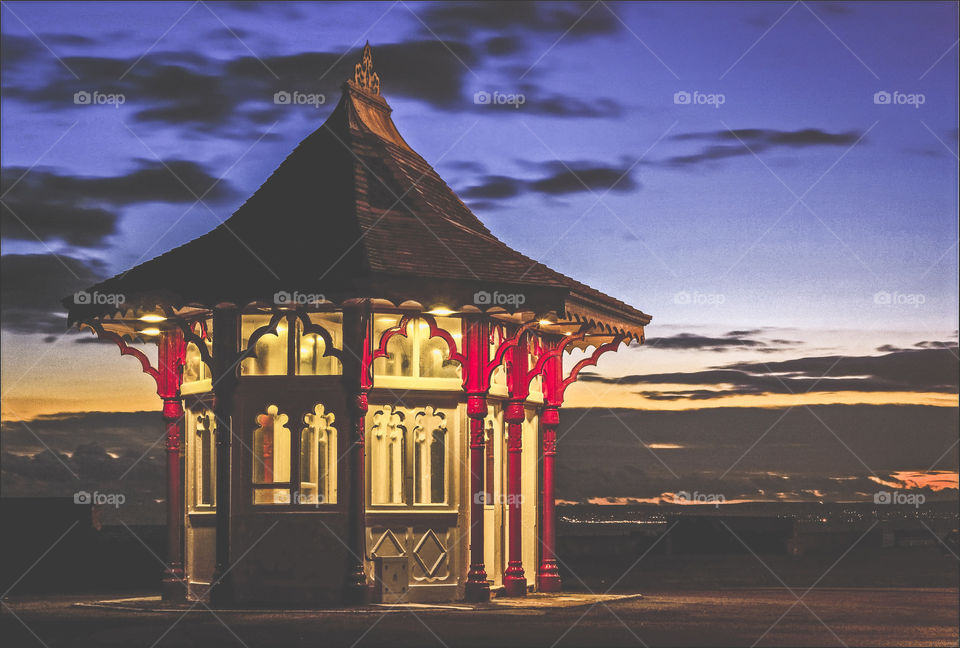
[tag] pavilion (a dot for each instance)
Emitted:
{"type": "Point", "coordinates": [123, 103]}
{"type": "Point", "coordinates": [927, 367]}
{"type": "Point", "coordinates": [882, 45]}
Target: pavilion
{"type": "Point", "coordinates": [360, 383]}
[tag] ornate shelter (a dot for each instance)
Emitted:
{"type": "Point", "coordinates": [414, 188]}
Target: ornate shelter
{"type": "Point", "coordinates": [360, 383]}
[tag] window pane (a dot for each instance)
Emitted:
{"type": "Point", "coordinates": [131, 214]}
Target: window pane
{"type": "Point", "coordinates": [194, 369]}
{"type": "Point", "coordinates": [399, 362]}
{"type": "Point", "coordinates": [311, 361]}
{"type": "Point", "coordinates": [271, 496]}
{"type": "Point", "coordinates": [318, 458]}
{"type": "Point", "coordinates": [271, 448]}
{"type": "Point", "coordinates": [205, 454]}
{"type": "Point", "coordinates": [434, 351]}
{"type": "Point", "coordinates": [387, 441]}
{"type": "Point", "coordinates": [430, 459]}
{"type": "Point", "coordinates": [271, 350]}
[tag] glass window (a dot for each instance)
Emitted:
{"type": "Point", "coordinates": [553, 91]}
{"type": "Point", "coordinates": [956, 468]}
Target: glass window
{"type": "Point", "coordinates": [399, 361]}
{"type": "Point", "coordinates": [416, 355]}
{"type": "Point", "coordinates": [311, 346]}
{"type": "Point", "coordinates": [410, 466]}
{"type": "Point", "coordinates": [318, 458]}
{"type": "Point", "coordinates": [387, 454]}
{"type": "Point", "coordinates": [270, 357]}
{"type": "Point", "coordinates": [498, 381]}
{"type": "Point", "coordinates": [194, 369]}
{"type": "Point", "coordinates": [205, 456]}
{"type": "Point", "coordinates": [430, 457]}
{"type": "Point", "coordinates": [271, 457]}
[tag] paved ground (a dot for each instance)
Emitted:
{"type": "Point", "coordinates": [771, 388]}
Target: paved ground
{"type": "Point", "coordinates": [762, 617]}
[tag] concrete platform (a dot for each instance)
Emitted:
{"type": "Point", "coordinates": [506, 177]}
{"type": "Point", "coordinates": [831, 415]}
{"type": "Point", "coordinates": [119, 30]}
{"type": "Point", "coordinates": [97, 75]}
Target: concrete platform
{"type": "Point", "coordinates": [498, 604]}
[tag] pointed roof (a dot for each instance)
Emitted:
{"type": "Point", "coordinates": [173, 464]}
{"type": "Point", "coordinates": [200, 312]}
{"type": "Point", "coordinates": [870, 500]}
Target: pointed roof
{"type": "Point", "coordinates": [355, 212]}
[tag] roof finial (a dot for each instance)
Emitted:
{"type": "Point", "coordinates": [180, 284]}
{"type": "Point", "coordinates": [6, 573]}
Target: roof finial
{"type": "Point", "coordinates": [363, 74]}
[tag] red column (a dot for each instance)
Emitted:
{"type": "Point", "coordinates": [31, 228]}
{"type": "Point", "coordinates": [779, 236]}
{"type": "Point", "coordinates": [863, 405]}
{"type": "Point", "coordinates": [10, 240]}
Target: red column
{"type": "Point", "coordinates": [548, 577]}
{"type": "Point", "coordinates": [357, 371]}
{"type": "Point", "coordinates": [170, 363]}
{"type": "Point", "coordinates": [514, 581]}
{"type": "Point", "coordinates": [477, 352]}
{"type": "Point", "coordinates": [477, 587]}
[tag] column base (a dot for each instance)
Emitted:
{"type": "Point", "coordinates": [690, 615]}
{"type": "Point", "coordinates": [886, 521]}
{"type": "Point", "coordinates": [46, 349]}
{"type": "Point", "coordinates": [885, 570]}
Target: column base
{"type": "Point", "coordinates": [477, 591]}
{"type": "Point", "coordinates": [358, 591]}
{"type": "Point", "coordinates": [173, 587]}
{"type": "Point", "coordinates": [221, 591]}
{"type": "Point", "coordinates": [514, 582]}
{"type": "Point", "coordinates": [549, 583]}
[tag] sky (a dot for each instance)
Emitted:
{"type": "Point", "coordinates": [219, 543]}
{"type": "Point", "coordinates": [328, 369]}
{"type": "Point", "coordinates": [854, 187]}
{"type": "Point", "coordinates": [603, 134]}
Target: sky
{"type": "Point", "coordinates": [775, 183]}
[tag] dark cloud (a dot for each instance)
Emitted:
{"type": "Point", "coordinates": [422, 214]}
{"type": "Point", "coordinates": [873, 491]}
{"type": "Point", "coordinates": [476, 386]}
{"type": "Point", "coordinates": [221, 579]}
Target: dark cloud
{"type": "Point", "coordinates": [462, 19]}
{"type": "Point", "coordinates": [34, 284]}
{"type": "Point", "coordinates": [556, 179]}
{"type": "Point", "coordinates": [44, 204]}
{"type": "Point", "coordinates": [790, 452]}
{"type": "Point", "coordinates": [691, 341]}
{"type": "Point", "coordinates": [109, 452]}
{"type": "Point", "coordinates": [912, 370]}
{"type": "Point", "coordinates": [503, 45]}
{"type": "Point", "coordinates": [746, 141]}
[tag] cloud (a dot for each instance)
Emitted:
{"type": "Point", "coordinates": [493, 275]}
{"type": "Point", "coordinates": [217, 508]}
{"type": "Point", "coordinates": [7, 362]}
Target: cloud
{"type": "Point", "coordinates": [44, 204]}
{"type": "Point", "coordinates": [732, 340]}
{"type": "Point", "coordinates": [796, 458]}
{"type": "Point", "coordinates": [556, 178]}
{"type": "Point", "coordinates": [724, 144]}
{"type": "Point", "coordinates": [463, 19]}
{"type": "Point", "coordinates": [910, 370]}
{"type": "Point", "coordinates": [34, 284]}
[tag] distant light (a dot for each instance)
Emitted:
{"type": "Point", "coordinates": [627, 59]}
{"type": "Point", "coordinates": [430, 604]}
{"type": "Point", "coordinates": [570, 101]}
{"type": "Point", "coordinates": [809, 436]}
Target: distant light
{"type": "Point", "coordinates": [442, 312]}
{"type": "Point", "coordinates": [150, 331]}
{"type": "Point", "coordinates": [153, 318]}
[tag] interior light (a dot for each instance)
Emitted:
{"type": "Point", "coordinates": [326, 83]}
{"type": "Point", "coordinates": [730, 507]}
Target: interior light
{"type": "Point", "coordinates": [150, 331]}
{"type": "Point", "coordinates": [545, 323]}
{"type": "Point", "coordinates": [441, 311]}
{"type": "Point", "coordinates": [153, 318]}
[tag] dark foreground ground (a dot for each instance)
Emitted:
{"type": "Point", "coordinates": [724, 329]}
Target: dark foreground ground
{"type": "Point", "coordinates": [762, 617]}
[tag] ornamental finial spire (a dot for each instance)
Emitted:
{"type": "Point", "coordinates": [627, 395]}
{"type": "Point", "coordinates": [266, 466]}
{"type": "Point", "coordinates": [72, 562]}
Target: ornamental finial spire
{"type": "Point", "coordinates": [363, 74]}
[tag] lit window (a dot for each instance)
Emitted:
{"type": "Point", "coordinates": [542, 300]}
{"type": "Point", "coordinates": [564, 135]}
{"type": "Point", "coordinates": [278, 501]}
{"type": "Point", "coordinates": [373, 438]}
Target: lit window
{"type": "Point", "coordinates": [204, 457]}
{"type": "Point", "coordinates": [311, 346]}
{"type": "Point", "coordinates": [410, 466]}
{"type": "Point", "coordinates": [416, 354]}
{"type": "Point", "coordinates": [271, 458]}
{"type": "Point", "coordinates": [388, 441]}
{"type": "Point", "coordinates": [318, 458]}
{"type": "Point", "coordinates": [270, 351]}
{"type": "Point", "coordinates": [194, 369]}
{"type": "Point", "coordinates": [430, 457]}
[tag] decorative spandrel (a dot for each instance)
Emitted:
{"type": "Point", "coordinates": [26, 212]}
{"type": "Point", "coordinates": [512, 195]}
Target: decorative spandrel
{"type": "Point", "coordinates": [363, 74]}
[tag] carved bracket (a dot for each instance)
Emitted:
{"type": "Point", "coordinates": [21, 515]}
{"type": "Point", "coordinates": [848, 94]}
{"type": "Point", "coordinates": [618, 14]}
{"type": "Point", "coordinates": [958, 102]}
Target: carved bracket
{"type": "Point", "coordinates": [125, 350]}
{"type": "Point", "coordinates": [588, 362]}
